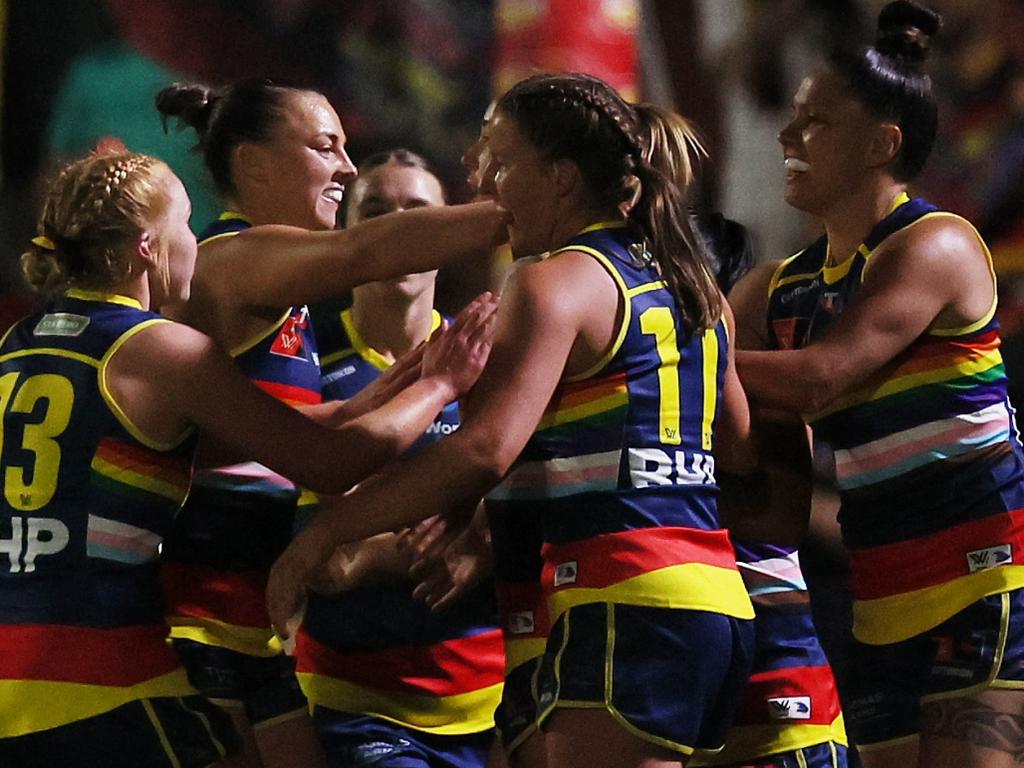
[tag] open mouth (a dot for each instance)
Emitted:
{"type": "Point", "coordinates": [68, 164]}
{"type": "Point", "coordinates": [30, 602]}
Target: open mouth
{"type": "Point", "coordinates": [334, 194]}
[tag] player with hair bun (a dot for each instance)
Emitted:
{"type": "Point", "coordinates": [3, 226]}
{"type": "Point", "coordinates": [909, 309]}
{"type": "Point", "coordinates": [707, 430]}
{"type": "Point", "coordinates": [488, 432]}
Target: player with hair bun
{"type": "Point", "coordinates": [885, 337]}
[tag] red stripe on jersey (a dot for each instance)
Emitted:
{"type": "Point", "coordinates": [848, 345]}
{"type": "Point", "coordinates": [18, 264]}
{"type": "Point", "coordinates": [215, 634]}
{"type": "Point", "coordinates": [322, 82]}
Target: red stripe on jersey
{"type": "Point", "coordinates": [616, 557]}
{"type": "Point", "coordinates": [448, 668]}
{"type": "Point", "coordinates": [938, 558]}
{"type": "Point", "coordinates": [117, 657]}
{"type": "Point", "coordinates": [524, 609]}
{"type": "Point", "coordinates": [235, 597]}
{"type": "Point", "coordinates": [781, 694]}
{"type": "Point", "coordinates": [289, 393]}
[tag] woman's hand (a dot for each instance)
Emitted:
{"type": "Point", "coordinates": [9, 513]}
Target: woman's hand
{"type": "Point", "coordinates": [459, 354]}
{"type": "Point", "coordinates": [295, 570]}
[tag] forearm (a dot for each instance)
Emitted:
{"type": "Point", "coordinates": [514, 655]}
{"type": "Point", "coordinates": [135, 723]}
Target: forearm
{"type": "Point", "coordinates": [396, 425]}
{"type": "Point", "coordinates": [422, 240]}
{"type": "Point", "coordinates": [790, 380]}
{"type": "Point", "coordinates": [432, 482]}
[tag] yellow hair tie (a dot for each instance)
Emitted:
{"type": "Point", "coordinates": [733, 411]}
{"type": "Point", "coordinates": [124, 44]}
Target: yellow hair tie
{"type": "Point", "coordinates": [44, 242]}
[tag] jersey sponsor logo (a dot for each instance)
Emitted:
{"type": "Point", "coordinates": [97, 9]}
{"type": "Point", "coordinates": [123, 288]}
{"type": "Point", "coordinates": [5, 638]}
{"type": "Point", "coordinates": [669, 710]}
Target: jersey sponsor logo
{"type": "Point", "coordinates": [441, 428]}
{"type": "Point", "coordinates": [790, 708]}
{"type": "Point", "coordinates": [521, 623]}
{"type": "Point", "coordinates": [340, 373]}
{"type": "Point", "coordinates": [989, 557]}
{"type": "Point", "coordinates": [31, 538]}
{"type": "Point", "coordinates": [566, 573]}
{"type": "Point", "coordinates": [791, 295]}
{"type": "Point", "coordinates": [289, 339]}
{"type": "Point", "coordinates": [61, 324]}
{"type": "Point", "coordinates": [653, 466]}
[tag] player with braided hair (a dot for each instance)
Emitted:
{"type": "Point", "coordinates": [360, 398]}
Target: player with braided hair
{"type": "Point", "coordinates": [100, 398]}
{"type": "Point", "coordinates": [609, 402]}
{"type": "Point", "coordinates": [789, 713]}
{"type": "Point", "coordinates": [883, 333]}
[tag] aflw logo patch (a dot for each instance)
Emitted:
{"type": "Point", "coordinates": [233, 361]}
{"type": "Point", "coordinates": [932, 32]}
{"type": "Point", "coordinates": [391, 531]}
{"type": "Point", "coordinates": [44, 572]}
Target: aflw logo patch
{"type": "Point", "coordinates": [520, 623]}
{"type": "Point", "coordinates": [990, 557]}
{"type": "Point", "coordinates": [289, 339]}
{"type": "Point", "coordinates": [566, 573]}
{"type": "Point", "coordinates": [790, 708]}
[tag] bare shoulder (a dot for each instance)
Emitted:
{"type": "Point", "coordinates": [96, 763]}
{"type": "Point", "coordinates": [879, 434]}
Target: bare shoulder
{"type": "Point", "coordinates": [942, 243]}
{"type": "Point", "coordinates": [561, 284]}
{"type": "Point", "coordinates": [166, 350]}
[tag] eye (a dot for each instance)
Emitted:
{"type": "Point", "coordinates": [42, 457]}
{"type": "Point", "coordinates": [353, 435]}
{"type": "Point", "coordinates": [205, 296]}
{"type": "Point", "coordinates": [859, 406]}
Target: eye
{"type": "Point", "coordinates": [325, 150]}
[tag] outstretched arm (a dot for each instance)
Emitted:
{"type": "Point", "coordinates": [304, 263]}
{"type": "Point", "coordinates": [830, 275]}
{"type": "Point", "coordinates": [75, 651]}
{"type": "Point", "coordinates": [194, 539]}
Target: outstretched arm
{"type": "Point", "coordinates": [147, 382]}
{"type": "Point", "coordinates": [278, 266]}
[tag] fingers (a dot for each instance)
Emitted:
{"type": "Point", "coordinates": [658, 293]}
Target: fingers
{"type": "Point", "coordinates": [285, 599]}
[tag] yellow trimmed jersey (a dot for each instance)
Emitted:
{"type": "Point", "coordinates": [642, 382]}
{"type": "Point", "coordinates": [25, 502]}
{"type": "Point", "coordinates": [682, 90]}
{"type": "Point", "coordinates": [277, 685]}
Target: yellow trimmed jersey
{"type": "Point", "coordinates": [239, 518]}
{"type": "Point", "coordinates": [928, 459]}
{"type": "Point", "coordinates": [87, 501]}
{"type": "Point", "coordinates": [375, 649]}
{"type": "Point", "coordinates": [621, 467]}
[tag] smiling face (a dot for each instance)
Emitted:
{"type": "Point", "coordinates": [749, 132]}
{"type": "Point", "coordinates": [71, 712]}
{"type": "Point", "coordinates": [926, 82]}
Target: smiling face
{"type": "Point", "coordinates": [310, 167]}
{"type": "Point", "coordinates": [525, 183]}
{"type": "Point", "coordinates": [826, 144]}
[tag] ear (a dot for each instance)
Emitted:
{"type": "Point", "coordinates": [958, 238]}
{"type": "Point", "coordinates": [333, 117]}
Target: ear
{"type": "Point", "coordinates": [145, 250]}
{"type": "Point", "coordinates": [885, 144]}
{"type": "Point", "coordinates": [566, 175]}
{"type": "Point", "coordinates": [251, 161]}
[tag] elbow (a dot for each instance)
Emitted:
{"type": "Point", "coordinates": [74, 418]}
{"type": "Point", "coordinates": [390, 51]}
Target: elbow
{"type": "Point", "coordinates": [820, 386]}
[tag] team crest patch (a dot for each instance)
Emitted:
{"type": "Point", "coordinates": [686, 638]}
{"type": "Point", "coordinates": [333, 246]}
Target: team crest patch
{"type": "Point", "coordinates": [989, 557]}
{"type": "Point", "coordinates": [790, 708]}
{"type": "Point", "coordinates": [289, 339]}
{"type": "Point", "coordinates": [521, 623]}
{"type": "Point", "coordinates": [566, 573]}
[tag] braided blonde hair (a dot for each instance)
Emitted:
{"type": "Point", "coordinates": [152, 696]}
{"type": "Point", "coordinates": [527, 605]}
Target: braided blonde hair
{"type": "Point", "coordinates": [96, 208]}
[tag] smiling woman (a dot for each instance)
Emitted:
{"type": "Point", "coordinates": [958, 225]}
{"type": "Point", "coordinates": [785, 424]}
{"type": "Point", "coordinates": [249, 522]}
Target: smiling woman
{"type": "Point", "coordinates": [277, 155]}
{"type": "Point", "coordinates": [884, 334]}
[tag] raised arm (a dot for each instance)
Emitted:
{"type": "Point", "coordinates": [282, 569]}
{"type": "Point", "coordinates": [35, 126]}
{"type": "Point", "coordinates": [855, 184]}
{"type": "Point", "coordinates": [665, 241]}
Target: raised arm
{"type": "Point", "coordinates": [934, 274]}
{"type": "Point", "coordinates": [279, 266]}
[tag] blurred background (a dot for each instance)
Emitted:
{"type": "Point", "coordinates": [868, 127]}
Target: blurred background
{"type": "Point", "coordinates": [419, 74]}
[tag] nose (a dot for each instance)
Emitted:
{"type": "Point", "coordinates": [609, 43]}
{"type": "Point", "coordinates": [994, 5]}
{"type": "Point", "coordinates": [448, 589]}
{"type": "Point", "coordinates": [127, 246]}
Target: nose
{"type": "Point", "coordinates": [486, 176]}
{"type": "Point", "coordinates": [787, 136]}
{"type": "Point", "coordinates": [346, 168]}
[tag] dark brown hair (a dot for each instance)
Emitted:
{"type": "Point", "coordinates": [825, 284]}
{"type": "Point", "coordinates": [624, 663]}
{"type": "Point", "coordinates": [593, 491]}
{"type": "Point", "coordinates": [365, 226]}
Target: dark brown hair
{"type": "Point", "coordinates": [583, 119]}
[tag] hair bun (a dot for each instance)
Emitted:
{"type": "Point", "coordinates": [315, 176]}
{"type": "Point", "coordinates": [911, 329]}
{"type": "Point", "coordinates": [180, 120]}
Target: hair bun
{"type": "Point", "coordinates": [905, 30]}
{"type": "Point", "coordinates": [190, 103]}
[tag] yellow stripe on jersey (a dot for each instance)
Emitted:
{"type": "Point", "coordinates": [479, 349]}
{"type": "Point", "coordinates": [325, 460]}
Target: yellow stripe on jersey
{"type": "Point", "coordinates": [693, 586]}
{"type": "Point", "coordinates": [259, 336]}
{"type": "Point", "coordinates": [745, 743]}
{"type": "Point", "coordinates": [455, 715]}
{"type": "Point", "coordinates": [518, 652]}
{"type": "Point", "coordinates": [27, 706]}
{"type": "Point", "coordinates": [252, 641]}
{"type": "Point", "coordinates": [895, 618]}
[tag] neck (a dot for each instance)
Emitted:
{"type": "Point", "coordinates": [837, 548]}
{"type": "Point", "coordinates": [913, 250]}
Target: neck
{"type": "Point", "coordinates": [567, 225]}
{"type": "Point", "coordinates": [390, 321]}
{"type": "Point", "coordinates": [851, 219]}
